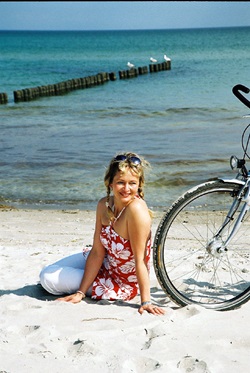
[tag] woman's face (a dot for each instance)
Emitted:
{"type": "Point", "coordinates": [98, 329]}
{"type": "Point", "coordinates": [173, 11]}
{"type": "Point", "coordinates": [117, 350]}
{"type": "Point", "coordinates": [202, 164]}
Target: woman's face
{"type": "Point", "coordinates": [125, 185]}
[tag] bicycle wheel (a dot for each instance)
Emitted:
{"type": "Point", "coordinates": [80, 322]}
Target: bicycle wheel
{"type": "Point", "coordinates": [190, 272]}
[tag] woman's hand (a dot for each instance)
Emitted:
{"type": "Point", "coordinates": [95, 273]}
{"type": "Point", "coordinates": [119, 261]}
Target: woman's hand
{"type": "Point", "coordinates": [73, 298]}
{"type": "Point", "coordinates": [150, 308]}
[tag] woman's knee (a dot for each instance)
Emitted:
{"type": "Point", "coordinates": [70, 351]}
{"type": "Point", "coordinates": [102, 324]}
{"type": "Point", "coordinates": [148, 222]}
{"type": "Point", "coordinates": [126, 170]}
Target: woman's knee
{"type": "Point", "coordinates": [49, 279]}
{"type": "Point", "coordinates": [59, 280]}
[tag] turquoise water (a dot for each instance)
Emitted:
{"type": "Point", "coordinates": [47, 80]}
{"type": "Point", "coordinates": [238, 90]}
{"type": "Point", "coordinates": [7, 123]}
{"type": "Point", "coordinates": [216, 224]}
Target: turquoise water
{"type": "Point", "coordinates": [186, 121]}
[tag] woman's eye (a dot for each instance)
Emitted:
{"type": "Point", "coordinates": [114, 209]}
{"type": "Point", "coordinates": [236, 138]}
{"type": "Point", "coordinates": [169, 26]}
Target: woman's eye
{"type": "Point", "coordinates": [132, 183]}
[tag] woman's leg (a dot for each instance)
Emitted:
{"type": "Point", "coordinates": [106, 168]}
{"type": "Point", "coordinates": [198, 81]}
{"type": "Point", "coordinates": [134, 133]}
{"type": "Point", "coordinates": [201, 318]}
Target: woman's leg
{"type": "Point", "coordinates": [64, 276]}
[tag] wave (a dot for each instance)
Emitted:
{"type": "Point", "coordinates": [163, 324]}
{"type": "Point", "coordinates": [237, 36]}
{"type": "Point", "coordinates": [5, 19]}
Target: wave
{"type": "Point", "coordinates": [147, 113]}
{"type": "Point", "coordinates": [170, 182]}
{"type": "Point", "coordinates": [173, 182]}
{"type": "Point", "coordinates": [186, 162]}
{"type": "Point", "coordinates": [193, 110]}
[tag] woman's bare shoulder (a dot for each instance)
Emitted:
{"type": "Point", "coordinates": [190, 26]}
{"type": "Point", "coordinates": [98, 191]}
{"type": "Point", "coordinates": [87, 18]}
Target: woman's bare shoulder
{"type": "Point", "coordinates": [102, 202]}
{"type": "Point", "coordinates": [139, 208]}
{"type": "Point", "coordinates": [101, 212]}
{"type": "Point", "coordinates": [139, 203]}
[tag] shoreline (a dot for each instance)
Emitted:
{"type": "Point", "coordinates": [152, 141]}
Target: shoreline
{"type": "Point", "coordinates": [40, 334]}
{"type": "Point", "coordinates": [50, 226]}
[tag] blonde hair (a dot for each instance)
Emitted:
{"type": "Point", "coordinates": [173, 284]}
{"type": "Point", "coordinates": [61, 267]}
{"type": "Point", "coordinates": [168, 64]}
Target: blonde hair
{"type": "Point", "coordinates": [121, 165]}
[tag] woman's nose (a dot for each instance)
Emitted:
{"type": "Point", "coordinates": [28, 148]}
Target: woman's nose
{"type": "Point", "coordinates": [126, 186]}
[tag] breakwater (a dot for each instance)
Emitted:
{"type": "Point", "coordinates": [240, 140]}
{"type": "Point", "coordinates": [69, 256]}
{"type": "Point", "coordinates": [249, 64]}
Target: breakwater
{"type": "Point", "coordinates": [62, 88]}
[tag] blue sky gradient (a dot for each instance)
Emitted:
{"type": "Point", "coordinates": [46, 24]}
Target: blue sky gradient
{"type": "Point", "coordinates": [122, 15]}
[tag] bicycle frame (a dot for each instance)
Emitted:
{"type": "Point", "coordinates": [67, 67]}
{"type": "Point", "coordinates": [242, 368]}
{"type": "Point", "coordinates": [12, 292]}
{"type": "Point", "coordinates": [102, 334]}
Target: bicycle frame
{"type": "Point", "coordinates": [244, 196]}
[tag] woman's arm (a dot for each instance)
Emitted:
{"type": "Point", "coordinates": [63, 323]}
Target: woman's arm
{"type": "Point", "coordinates": [139, 226]}
{"type": "Point", "coordinates": [94, 261]}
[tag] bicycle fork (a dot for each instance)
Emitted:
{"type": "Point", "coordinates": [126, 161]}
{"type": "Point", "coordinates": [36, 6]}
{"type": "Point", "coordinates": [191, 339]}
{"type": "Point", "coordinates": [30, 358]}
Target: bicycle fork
{"type": "Point", "coordinates": [216, 246]}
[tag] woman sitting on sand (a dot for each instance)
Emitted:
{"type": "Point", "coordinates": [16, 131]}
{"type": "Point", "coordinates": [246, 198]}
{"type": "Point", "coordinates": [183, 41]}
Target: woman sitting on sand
{"type": "Point", "coordinates": [117, 265]}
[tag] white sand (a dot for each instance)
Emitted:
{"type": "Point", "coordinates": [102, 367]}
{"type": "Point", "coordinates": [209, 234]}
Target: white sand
{"type": "Point", "coordinates": [42, 335]}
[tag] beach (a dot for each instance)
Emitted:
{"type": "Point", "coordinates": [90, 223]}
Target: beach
{"type": "Point", "coordinates": [54, 151]}
{"type": "Point", "coordinates": [40, 334]}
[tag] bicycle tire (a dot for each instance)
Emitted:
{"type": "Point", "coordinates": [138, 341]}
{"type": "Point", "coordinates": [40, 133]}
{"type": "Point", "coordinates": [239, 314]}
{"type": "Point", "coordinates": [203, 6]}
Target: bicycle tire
{"type": "Point", "coordinates": [186, 271]}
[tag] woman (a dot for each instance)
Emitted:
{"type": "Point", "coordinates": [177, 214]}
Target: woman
{"type": "Point", "coordinates": [117, 265]}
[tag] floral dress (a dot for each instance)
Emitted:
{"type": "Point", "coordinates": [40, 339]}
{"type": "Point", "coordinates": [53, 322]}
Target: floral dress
{"type": "Point", "coordinates": [117, 277]}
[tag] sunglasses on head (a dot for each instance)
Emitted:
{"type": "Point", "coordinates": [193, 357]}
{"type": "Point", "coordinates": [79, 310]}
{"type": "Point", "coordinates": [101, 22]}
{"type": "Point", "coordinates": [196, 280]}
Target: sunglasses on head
{"type": "Point", "coordinates": [134, 160]}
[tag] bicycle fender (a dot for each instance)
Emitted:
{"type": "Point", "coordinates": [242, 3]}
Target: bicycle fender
{"type": "Point", "coordinates": [224, 180]}
{"type": "Point", "coordinates": [236, 181]}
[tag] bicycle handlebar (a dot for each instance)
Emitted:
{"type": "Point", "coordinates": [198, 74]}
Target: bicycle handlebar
{"type": "Point", "coordinates": [243, 99]}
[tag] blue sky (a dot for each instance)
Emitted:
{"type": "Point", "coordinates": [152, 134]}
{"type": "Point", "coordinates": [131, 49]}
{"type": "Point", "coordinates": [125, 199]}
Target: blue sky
{"type": "Point", "coordinates": [115, 15]}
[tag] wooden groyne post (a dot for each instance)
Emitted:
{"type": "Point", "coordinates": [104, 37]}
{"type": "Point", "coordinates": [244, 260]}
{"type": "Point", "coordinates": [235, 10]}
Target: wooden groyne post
{"type": "Point", "coordinates": [127, 74]}
{"type": "Point", "coordinates": [155, 67]}
{"type": "Point", "coordinates": [133, 73]}
{"type": "Point", "coordinates": [3, 98]}
{"type": "Point", "coordinates": [143, 70]}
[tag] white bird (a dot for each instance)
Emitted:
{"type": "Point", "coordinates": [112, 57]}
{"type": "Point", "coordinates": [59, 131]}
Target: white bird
{"type": "Point", "coordinates": [153, 59]}
{"type": "Point", "coordinates": [130, 65]}
{"type": "Point", "coordinates": [166, 58]}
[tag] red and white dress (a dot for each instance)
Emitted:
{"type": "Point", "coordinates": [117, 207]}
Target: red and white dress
{"type": "Point", "coordinates": [116, 278]}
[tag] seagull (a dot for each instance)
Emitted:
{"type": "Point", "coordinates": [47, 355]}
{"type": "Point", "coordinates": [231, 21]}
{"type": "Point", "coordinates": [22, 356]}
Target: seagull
{"type": "Point", "coordinates": [130, 65]}
{"type": "Point", "coordinates": [166, 58]}
{"type": "Point", "coordinates": [153, 59]}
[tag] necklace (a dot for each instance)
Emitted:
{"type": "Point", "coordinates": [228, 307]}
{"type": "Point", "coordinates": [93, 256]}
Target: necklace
{"type": "Point", "coordinates": [116, 218]}
{"type": "Point", "coordinates": [119, 215]}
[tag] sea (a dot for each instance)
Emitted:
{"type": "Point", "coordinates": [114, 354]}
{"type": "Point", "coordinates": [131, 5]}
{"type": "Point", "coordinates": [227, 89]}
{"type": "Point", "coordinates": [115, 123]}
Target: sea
{"type": "Point", "coordinates": [185, 121]}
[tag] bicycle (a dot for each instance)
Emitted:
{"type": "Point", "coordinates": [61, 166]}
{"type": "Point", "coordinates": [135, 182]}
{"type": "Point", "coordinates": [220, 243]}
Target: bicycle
{"type": "Point", "coordinates": [201, 250]}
